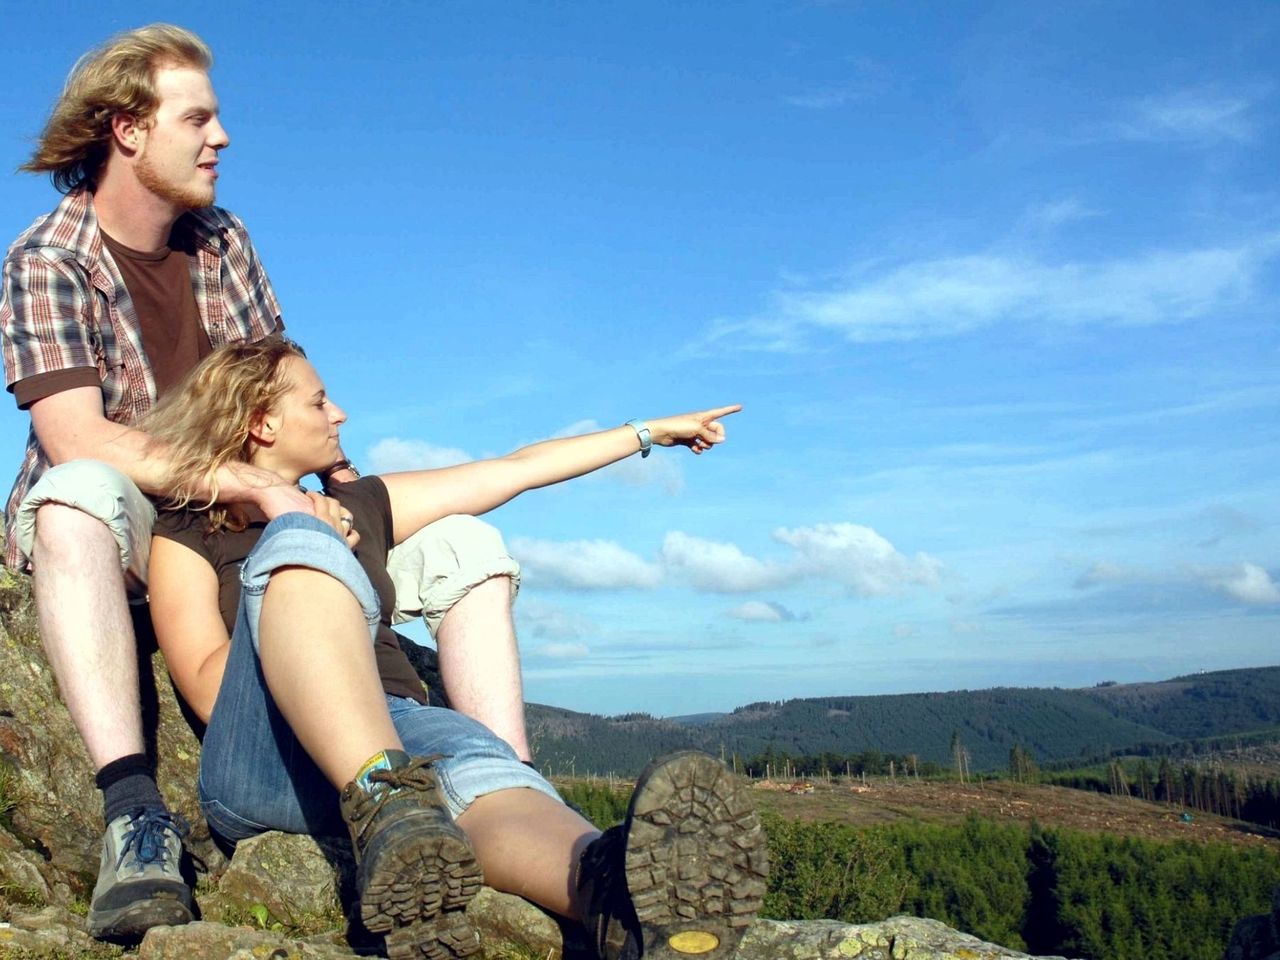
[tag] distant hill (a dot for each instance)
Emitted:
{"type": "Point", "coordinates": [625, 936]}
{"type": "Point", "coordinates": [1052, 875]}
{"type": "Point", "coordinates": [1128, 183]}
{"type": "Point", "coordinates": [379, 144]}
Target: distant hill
{"type": "Point", "coordinates": [1053, 724]}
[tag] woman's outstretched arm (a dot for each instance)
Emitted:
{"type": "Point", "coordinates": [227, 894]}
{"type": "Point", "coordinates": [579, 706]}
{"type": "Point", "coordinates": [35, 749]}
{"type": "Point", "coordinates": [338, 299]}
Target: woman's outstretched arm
{"type": "Point", "coordinates": [419, 497]}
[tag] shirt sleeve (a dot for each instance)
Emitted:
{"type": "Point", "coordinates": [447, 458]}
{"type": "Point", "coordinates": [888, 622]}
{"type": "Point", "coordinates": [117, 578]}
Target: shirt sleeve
{"type": "Point", "coordinates": [46, 311]}
{"type": "Point", "coordinates": [30, 389]}
{"type": "Point", "coordinates": [255, 274]}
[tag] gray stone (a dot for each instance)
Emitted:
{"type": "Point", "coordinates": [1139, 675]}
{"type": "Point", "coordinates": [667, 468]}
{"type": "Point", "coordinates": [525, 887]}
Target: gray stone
{"type": "Point", "coordinates": [1257, 937]}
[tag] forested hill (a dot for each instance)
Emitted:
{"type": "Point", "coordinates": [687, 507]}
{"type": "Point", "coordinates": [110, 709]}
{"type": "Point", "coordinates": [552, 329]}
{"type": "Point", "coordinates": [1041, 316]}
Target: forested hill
{"type": "Point", "coordinates": [1052, 724]}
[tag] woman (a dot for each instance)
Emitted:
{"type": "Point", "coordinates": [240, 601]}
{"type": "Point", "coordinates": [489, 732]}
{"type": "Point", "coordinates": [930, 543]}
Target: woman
{"type": "Point", "coordinates": [267, 630]}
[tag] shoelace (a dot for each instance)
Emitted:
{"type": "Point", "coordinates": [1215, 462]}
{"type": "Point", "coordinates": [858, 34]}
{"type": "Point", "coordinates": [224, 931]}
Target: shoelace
{"type": "Point", "coordinates": [416, 775]}
{"type": "Point", "coordinates": [387, 785]}
{"type": "Point", "coordinates": [148, 834]}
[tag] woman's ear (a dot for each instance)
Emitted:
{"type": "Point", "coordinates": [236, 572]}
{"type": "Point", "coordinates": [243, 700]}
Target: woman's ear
{"type": "Point", "coordinates": [262, 428]}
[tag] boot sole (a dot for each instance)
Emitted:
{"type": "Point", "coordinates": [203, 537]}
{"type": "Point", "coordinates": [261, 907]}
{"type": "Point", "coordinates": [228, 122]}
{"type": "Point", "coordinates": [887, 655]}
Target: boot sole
{"type": "Point", "coordinates": [697, 863]}
{"type": "Point", "coordinates": [130, 923]}
{"type": "Point", "coordinates": [418, 881]}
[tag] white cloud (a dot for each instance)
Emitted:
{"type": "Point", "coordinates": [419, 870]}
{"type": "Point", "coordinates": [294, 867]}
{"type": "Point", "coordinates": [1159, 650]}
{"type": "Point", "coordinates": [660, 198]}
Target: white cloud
{"type": "Point", "coordinates": [965, 627]}
{"type": "Point", "coordinates": [1249, 583]}
{"type": "Point", "coordinates": [1200, 116]}
{"type": "Point", "coordinates": [858, 558]}
{"type": "Point", "coordinates": [901, 631]}
{"type": "Point", "coordinates": [951, 296]}
{"type": "Point", "coordinates": [719, 567]}
{"type": "Point", "coordinates": [658, 470]}
{"type": "Point", "coordinates": [394, 454]}
{"type": "Point", "coordinates": [1104, 572]}
{"type": "Point", "coordinates": [584, 564]}
{"type": "Point", "coordinates": [762, 611]}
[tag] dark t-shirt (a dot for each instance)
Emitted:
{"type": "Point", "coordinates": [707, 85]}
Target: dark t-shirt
{"type": "Point", "coordinates": [225, 551]}
{"type": "Point", "coordinates": [173, 336]}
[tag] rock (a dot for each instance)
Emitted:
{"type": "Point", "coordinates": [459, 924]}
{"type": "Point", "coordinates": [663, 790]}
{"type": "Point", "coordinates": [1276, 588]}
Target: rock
{"type": "Point", "coordinates": [51, 932]}
{"type": "Point", "coordinates": [1257, 937]}
{"type": "Point", "coordinates": [213, 941]}
{"type": "Point", "coordinates": [300, 881]}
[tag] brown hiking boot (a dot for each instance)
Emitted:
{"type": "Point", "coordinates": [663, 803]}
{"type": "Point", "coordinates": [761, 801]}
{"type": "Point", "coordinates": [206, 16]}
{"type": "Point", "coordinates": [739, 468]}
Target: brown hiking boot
{"type": "Point", "coordinates": [416, 870]}
{"type": "Point", "coordinates": [685, 874]}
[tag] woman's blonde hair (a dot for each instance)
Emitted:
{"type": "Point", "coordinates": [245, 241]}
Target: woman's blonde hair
{"type": "Point", "coordinates": [115, 78]}
{"type": "Point", "coordinates": [205, 421]}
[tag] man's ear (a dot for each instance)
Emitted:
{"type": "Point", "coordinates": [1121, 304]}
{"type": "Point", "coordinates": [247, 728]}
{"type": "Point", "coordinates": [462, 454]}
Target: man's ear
{"type": "Point", "coordinates": [127, 132]}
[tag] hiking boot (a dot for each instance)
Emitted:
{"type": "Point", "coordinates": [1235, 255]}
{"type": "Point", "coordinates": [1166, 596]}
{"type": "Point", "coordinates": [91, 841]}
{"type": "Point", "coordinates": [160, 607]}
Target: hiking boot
{"type": "Point", "coordinates": [139, 883]}
{"type": "Point", "coordinates": [684, 875]}
{"type": "Point", "coordinates": [416, 871]}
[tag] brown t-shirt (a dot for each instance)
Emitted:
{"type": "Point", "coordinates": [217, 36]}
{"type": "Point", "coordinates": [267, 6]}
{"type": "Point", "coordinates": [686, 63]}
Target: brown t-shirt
{"type": "Point", "coordinates": [173, 336]}
{"type": "Point", "coordinates": [368, 502]}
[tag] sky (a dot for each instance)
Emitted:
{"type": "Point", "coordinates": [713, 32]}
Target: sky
{"type": "Point", "coordinates": [996, 284]}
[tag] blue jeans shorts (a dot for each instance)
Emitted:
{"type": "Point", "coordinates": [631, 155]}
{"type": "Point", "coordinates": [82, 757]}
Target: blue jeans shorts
{"type": "Point", "coordinates": [255, 776]}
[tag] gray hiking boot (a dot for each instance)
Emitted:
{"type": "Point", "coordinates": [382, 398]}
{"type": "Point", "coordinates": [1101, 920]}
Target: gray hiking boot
{"type": "Point", "coordinates": [416, 871]}
{"type": "Point", "coordinates": [685, 874]}
{"type": "Point", "coordinates": [139, 883]}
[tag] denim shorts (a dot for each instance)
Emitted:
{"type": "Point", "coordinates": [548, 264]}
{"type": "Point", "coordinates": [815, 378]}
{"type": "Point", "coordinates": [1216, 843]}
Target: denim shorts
{"type": "Point", "coordinates": [255, 776]}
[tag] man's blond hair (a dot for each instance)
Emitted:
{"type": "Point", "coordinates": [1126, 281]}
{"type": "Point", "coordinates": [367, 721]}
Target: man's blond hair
{"type": "Point", "coordinates": [115, 78]}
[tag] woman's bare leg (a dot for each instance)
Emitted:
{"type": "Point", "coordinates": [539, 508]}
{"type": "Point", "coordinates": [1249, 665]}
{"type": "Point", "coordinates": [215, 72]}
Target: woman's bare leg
{"type": "Point", "coordinates": [529, 844]}
{"type": "Point", "coordinates": [320, 667]}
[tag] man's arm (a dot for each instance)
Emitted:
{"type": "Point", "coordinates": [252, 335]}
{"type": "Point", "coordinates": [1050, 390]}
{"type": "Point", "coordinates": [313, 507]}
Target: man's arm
{"type": "Point", "coordinates": [70, 426]}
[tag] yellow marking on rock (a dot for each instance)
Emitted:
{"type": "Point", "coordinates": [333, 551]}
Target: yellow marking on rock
{"type": "Point", "coordinates": [693, 941]}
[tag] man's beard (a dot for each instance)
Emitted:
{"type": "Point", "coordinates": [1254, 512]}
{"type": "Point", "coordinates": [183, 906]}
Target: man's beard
{"type": "Point", "coordinates": [187, 198]}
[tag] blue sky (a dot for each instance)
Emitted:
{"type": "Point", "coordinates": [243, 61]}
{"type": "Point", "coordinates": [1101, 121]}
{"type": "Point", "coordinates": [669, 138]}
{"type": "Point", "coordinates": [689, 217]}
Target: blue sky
{"type": "Point", "coordinates": [996, 283]}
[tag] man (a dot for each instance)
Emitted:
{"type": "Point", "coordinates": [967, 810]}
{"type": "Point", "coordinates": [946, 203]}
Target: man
{"type": "Point", "coordinates": [107, 302]}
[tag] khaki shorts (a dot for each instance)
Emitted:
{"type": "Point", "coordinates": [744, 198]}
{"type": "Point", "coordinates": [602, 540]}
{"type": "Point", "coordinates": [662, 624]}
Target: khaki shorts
{"type": "Point", "coordinates": [438, 565]}
{"type": "Point", "coordinates": [102, 492]}
{"type": "Point", "coordinates": [432, 570]}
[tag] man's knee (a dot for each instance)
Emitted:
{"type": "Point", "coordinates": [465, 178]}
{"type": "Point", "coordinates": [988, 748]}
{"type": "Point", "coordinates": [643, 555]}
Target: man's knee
{"type": "Point", "coordinates": [82, 499]}
{"type": "Point", "coordinates": [443, 562]}
{"type": "Point", "coordinates": [63, 531]}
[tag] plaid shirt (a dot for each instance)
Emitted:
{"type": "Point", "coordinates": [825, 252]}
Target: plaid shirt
{"type": "Point", "coordinates": [65, 305]}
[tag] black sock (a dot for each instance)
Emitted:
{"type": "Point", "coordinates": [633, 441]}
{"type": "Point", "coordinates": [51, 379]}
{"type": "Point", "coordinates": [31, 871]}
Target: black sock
{"type": "Point", "coordinates": [127, 783]}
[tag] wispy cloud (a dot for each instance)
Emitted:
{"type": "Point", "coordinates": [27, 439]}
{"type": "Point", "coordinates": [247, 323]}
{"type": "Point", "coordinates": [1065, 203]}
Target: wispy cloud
{"type": "Point", "coordinates": [564, 651]}
{"type": "Point", "coordinates": [584, 564]}
{"type": "Point", "coordinates": [956, 295]}
{"type": "Point", "coordinates": [547, 621]}
{"type": "Point", "coordinates": [865, 79]}
{"type": "Point", "coordinates": [1245, 582]}
{"type": "Point", "coordinates": [393, 454]}
{"type": "Point", "coordinates": [1057, 212]}
{"type": "Point", "coordinates": [763, 611]}
{"type": "Point", "coordinates": [1197, 115]}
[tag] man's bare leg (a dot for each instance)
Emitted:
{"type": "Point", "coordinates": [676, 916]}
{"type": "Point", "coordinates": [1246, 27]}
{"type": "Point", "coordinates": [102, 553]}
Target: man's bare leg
{"type": "Point", "coordinates": [86, 630]}
{"type": "Point", "coordinates": [480, 662]}
{"type": "Point", "coordinates": [89, 641]}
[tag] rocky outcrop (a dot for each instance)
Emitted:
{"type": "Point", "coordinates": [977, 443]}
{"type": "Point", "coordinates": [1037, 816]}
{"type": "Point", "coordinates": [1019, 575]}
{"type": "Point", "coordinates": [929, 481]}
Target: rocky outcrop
{"type": "Point", "coordinates": [281, 896]}
{"type": "Point", "coordinates": [1258, 937]}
